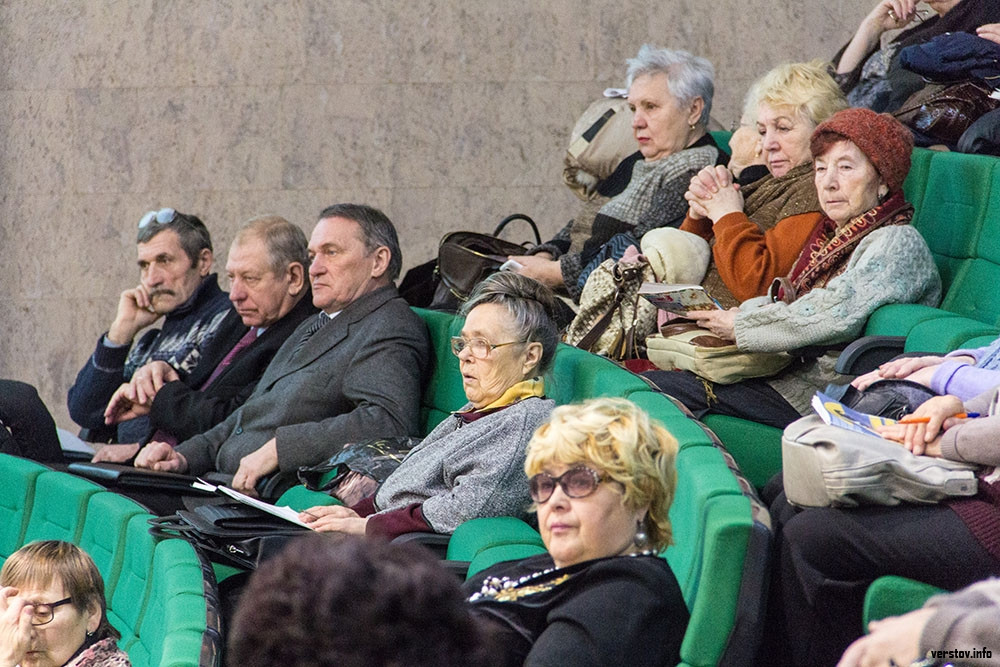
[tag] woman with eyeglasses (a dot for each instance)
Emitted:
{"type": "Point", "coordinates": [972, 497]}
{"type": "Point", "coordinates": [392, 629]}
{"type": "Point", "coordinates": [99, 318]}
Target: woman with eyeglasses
{"type": "Point", "coordinates": [602, 477]}
{"type": "Point", "coordinates": [470, 465]}
{"type": "Point", "coordinates": [52, 610]}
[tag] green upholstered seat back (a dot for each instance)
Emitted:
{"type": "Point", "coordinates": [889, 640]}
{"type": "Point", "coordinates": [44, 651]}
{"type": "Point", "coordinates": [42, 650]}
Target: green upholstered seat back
{"type": "Point", "coordinates": [127, 601]}
{"type": "Point", "coordinates": [17, 495]}
{"type": "Point", "coordinates": [59, 507]}
{"type": "Point", "coordinates": [173, 623]}
{"type": "Point", "coordinates": [953, 208]}
{"type": "Point", "coordinates": [444, 393]}
{"type": "Point", "coordinates": [577, 375]}
{"type": "Point", "coordinates": [104, 533]}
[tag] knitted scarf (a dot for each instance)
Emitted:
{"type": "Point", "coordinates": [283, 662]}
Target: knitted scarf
{"type": "Point", "coordinates": [828, 249]}
{"type": "Point", "coordinates": [768, 200]}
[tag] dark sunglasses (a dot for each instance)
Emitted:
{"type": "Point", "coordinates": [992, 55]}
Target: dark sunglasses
{"type": "Point", "coordinates": [578, 482]}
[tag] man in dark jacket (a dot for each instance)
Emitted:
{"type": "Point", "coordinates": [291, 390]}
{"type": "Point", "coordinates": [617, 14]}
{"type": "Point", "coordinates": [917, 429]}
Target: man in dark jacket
{"type": "Point", "coordinates": [267, 268]}
{"type": "Point", "coordinates": [354, 372]}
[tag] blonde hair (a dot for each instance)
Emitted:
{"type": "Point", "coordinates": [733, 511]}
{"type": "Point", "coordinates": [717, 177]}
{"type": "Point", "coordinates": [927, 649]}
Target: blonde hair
{"type": "Point", "coordinates": [620, 440]}
{"type": "Point", "coordinates": [808, 88]}
{"type": "Point", "coordinates": [45, 562]}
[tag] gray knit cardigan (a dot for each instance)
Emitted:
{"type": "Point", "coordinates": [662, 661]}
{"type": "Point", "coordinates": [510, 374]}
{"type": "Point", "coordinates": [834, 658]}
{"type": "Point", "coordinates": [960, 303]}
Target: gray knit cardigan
{"type": "Point", "coordinates": [465, 471]}
{"type": "Point", "coordinates": [890, 265]}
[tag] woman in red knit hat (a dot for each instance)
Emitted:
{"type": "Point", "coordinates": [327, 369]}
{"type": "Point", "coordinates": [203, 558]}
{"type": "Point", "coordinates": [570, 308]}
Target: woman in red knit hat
{"type": "Point", "coordinates": [861, 254]}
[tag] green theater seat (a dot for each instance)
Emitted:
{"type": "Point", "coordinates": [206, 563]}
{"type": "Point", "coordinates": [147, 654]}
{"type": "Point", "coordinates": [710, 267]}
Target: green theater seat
{"type": "Point", "coordinates": [174, 621]}
{"type": "Point", "coordinates": [17, 495]}
{"type": "Point", "coordinates": [104, 533]}
{"type": "Point", "coordinates": [59, 507]}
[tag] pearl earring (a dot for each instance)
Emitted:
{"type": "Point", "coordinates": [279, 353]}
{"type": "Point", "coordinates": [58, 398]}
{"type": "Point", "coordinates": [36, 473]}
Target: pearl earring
{"type": "Point", "coordinates": [641, 540]}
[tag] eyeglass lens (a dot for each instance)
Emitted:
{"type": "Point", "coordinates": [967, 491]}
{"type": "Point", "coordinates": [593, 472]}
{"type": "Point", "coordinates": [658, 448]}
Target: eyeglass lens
{"type": "Point", "coordinates": [575, 483]}
{"type": "Point", "coordinates": [43, 612]}
{"type": "Point", "coordinates": [477, 346]}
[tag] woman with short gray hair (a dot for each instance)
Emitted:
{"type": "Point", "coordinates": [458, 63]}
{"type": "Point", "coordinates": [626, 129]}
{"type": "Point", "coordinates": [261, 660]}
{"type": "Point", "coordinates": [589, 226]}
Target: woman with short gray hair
{"type": "Point", "coordinates": [472, 464]}
{"type": "Point", "coordinates": [670, 93]}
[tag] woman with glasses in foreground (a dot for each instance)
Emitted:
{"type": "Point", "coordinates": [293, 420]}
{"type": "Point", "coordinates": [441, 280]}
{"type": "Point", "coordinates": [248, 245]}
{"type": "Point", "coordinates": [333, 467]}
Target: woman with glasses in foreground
{"type": "Point", "coordinates": [470, 465]}
{"type": "Point", "coordinates": [602, 477]}
{"type": "Point", "coordinates": [52, 610]}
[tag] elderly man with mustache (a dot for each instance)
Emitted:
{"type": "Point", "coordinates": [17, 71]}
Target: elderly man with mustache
{"type": "Point", "coordinates": [175, 257]}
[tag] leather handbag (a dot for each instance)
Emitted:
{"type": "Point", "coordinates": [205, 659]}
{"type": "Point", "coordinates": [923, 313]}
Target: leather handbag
{"type": "Point", "coordinates": [891, 399]}
{"type": "Point", "coordinates": [686, 346]}
{"type": "Point", "coordinates": [233, 533]}
{"type": "Point", "coordinates": [613, 319]}
{"type": "Point", "coordinates": [830, 466]}
{"type": "Point", "coordinates": [941, 113]}
{"type": "Point", "coordinates": [466, 258]}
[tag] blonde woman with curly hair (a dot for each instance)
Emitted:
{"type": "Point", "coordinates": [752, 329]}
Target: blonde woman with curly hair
{"type": "Point", "coordinates": [602, 477]}
{"type": "Point", "coordinates": [759, 212]}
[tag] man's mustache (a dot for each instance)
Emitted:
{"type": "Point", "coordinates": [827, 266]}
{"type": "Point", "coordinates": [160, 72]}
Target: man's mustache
{"type": "Point", "coordinates": [160, 292]}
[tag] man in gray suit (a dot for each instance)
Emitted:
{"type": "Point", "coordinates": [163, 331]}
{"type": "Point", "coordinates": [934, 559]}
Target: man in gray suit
{"type": "Point", "coordinates": [352, 373]}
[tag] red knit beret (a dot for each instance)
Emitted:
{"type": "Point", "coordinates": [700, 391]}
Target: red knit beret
{"type": "Point", "coordinates": [882, 138]}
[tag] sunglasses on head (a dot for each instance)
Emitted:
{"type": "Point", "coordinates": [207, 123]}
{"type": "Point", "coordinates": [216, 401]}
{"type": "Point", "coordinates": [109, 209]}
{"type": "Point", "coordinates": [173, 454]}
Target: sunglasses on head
{"type": "Point", "coordinates": [162, 217]}
{"type": "Point", "coordinates": [577, 482]}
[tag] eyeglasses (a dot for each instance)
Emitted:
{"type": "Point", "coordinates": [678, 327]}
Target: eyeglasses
{"type": "Point", "coordinates": [162, 217]}
{"type": "Point", "coordinates": [479, 347]}
{"type": "Point", "coordinates": [578, 482]}
{"type": "Point", "coordinates": [44, 611]}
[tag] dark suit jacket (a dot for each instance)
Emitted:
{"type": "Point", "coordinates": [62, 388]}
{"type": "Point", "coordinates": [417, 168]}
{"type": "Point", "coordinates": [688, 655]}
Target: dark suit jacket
{"type": "Point", "coordinates": [359, 377]}
{"type": "Point", "coordinates": [183, 411]}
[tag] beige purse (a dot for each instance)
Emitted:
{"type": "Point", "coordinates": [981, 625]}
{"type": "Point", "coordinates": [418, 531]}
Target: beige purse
{"type": "Point", "coordinates": [613, 319]}
{"type": "Point", "coordinates": [686, 346]}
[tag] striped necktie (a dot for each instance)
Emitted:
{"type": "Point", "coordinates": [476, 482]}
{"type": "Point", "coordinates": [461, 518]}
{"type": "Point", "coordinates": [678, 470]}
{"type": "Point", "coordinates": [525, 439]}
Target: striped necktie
{"type": "Point", "coordinates": [317, 324]}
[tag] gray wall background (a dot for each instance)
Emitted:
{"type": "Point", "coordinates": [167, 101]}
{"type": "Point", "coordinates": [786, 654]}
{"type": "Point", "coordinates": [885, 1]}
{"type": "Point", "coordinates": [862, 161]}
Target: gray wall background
{"type": "Point", "coordinates": [446, 114]}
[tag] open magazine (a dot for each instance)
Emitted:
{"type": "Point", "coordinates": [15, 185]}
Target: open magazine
{"type": "Point", "coordinates": [678, 299]}
{"type": "Point", "coordinates": [835, 413]}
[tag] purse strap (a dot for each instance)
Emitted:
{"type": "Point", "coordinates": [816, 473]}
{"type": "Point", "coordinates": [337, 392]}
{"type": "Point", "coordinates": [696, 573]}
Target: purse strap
{"type": "Point", "coordinates": [621, 277]}
{"type": "Point", "coordinates": [519, 216]}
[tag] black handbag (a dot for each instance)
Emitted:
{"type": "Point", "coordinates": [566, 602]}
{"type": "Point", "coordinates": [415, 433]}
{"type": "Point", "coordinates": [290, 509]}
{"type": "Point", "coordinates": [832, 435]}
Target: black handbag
{"type": "Point", "coordinates": [464, 260]}
{"type": "Point", "coordinates": [231, 533]}
{"type": "Point", "coordinates": [887, 398]}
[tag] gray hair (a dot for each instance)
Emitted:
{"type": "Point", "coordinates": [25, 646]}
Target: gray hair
{"type": "Point", "coordinates": [376, 230]}
{"type": "Point", "coordinates": [531, 306]}
{"type": "Point", "coordinates": [688, 76]}
{"type": "Point", "coordinates": [286, 243]}
{"type": "Point", "coordinates": [191, 231]}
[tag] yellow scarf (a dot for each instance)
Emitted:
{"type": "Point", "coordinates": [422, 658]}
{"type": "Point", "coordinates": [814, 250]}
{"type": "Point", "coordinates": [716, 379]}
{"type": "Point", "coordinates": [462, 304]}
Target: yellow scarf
{"type": "Point", "coordinates": [516, 392]}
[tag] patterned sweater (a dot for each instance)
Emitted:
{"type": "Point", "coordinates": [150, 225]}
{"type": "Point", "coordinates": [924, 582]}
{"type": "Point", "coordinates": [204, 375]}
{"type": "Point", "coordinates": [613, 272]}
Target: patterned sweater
{"type": "Point", "coordinates": [464, 471]}
{"type": "Point", "coordinates": [890, 265]}
{"type": "Point", "coordinates": [653, 198]}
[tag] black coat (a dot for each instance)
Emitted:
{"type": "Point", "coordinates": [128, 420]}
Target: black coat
{"type": "Point", "coordinates": [183, 411]}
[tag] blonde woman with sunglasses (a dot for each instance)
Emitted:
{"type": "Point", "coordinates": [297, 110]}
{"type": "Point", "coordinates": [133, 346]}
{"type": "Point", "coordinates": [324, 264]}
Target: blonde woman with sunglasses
{"type": "Point", "coordinates": [602, 477]}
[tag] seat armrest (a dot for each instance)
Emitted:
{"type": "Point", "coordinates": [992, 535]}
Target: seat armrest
{"type": "Point", "coordinates": [436, 542]}
{"type": "Point", "coordinates": [868, 353]}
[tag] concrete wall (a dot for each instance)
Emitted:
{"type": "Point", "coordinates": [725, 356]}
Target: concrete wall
{"type": "Point", "coordinates": [446, 114]}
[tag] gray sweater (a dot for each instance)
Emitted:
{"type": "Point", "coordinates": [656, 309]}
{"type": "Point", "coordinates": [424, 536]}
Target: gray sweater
{"type": "Point", "coordinates": [968, 620]}
{"type": "Point", "coordinates": [465, 471]}
{"type": "Point", "coordinates": [890, 265]}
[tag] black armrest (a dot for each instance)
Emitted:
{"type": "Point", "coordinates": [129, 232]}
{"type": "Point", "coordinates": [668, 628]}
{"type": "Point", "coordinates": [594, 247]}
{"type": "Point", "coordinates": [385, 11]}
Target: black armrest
{"type": "Point", "coordinates": [867, 353]}
{"type": "Point", "coordinates": [438, 544]}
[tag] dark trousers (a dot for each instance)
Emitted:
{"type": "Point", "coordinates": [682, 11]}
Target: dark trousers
{"type": "Point", "coordinates": [751, 399]}
{"type": "Point", "coordinates": [30, 430]}
{"type": "Point", "coordinates": [826, 558]}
